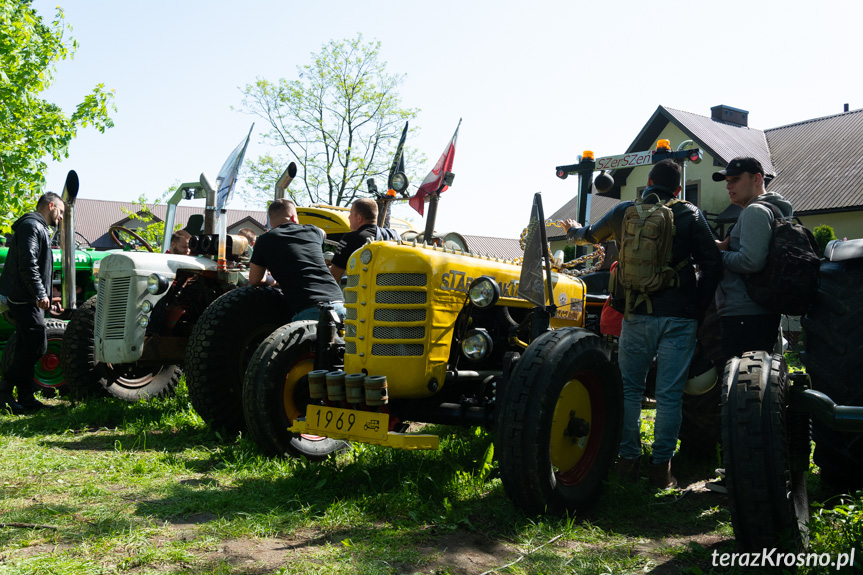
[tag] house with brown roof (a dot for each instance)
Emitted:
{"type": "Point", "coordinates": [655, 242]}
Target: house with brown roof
{"type": "Point", "coordinates": [816, 164]}
{"type": "Point", "coordinates": [93, 218]}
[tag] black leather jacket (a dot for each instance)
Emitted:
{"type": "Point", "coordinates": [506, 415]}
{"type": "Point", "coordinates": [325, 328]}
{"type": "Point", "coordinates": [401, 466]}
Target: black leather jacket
{"type": "Point", "coordinates": [26, 276]}
{"type": "Point", "coordinates": [693, 240]}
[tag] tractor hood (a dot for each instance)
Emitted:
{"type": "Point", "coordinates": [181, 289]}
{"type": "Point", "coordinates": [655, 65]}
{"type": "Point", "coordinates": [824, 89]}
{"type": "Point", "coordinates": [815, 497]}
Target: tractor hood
{"type": "Point", "coordinates": [142, 264]}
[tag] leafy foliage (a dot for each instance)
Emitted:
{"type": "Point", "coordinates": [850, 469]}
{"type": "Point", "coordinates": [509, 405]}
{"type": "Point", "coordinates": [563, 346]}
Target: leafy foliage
{"type": "Point", "coordinates": [341, 120]}
{"type": "Point", "coordinates": [32, 128]}
{"type": "Point", "coordinates": [151, 228]}
{"type": "Point", "coordinates": [824, 234]}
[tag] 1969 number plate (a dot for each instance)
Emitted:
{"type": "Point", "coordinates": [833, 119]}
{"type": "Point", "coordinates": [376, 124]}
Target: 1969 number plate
{"type": "Point", "coordinates": [346, 423]}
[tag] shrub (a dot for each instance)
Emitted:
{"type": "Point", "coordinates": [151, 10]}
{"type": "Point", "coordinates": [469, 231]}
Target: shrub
{"type": "Point", "coordinates": [823, 235]}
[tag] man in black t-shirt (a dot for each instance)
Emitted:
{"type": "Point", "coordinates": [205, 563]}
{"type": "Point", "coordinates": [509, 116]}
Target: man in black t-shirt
{"type": "Point", "coordinates": [292, 254]}
{"type": "Point", "coordinates": [362, 219]}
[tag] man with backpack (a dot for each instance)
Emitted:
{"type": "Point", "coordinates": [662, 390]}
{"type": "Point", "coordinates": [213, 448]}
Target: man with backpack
{"type": "Point", "coordinates": [746, 325]}
{"type": "Point", "coordinates": [362, 219]}
{"type": "Point", "coordinates": [661, 240]}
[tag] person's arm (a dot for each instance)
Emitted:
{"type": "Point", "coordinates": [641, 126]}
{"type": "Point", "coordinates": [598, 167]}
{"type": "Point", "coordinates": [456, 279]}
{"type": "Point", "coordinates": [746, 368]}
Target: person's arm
{"type": "Point", "coordinates": [258, 276]}
{"type": "Point", "coordinates": [756, 228]}
{"type": "Point", "coordinates": [337, 272]}
{"type": "Point", "coordinates": [596, 233]}
{"type": "Point", "coordinates": [707, 256]}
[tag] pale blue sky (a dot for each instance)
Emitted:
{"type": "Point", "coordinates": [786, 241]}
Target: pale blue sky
{"type": "Point", "coordinates": [535, 82]}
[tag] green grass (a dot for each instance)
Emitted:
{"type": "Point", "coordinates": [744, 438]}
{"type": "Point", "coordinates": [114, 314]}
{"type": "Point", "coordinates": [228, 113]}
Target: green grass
{"type": "Point", "coordinates": [109, 487]}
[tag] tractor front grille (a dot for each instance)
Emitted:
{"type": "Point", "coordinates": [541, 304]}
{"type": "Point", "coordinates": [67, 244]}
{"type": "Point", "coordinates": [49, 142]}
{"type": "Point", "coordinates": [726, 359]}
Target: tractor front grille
{"type": "Point", "coordinates": [394, 315]}
{"type": "Point", "coordinates": [111, 308]}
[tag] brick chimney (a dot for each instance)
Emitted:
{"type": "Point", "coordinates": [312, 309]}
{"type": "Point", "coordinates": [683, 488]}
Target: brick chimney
{"type": "Point", "coordinates": [729, 115]}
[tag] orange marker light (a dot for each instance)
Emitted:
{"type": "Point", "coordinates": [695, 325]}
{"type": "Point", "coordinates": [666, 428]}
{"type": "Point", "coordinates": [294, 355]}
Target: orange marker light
{"type": "Point", "coordinates": [587, 155]}
{"type": "Point", "coordinates": [664, 145]}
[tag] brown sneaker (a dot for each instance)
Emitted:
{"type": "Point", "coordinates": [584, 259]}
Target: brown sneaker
{"type": "Point", "coordinates": [627, 469]}
{"type": "Point", "coordinates": [660, 475]}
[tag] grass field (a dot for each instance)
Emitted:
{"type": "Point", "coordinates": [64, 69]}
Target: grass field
{"type": "Point", "coordinates": [109, 487]}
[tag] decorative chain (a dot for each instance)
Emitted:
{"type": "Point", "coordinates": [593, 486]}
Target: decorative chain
{"type": "Point", "coordinates": [597, 256]}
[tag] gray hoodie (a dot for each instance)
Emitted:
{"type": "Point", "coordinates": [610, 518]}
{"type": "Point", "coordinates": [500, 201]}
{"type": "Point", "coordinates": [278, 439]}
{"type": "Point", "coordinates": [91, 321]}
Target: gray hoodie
{"type": "Point", "coordinates": [747, 253]}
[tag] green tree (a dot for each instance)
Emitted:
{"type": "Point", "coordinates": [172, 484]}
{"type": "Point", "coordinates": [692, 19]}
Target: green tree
{"type": "Point", "coordinates": [151, 228]}
{"type": "Point", "coordinates": [341, 120]}
{"type": "Point", "coordinates": [31, 128]}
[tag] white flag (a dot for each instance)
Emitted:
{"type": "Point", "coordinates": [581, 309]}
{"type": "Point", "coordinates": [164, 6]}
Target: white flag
{"type": "Point", "coordinates": [228, 174]}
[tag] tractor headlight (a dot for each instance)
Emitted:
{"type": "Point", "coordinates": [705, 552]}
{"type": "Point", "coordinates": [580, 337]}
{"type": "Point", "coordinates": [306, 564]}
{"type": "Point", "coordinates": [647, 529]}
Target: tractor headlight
{"type": "Point", "coordinates": [143, 321]}
{"type": "Point", "coordinates": [476, 344]}
{"type": "Point", "coordinates": [366, 256]}
{"type": "Point", "coordinates": [484, 292]}
{"type": "Point", "coordinates": [400, 182]}
{"type": "Point", "coordinates": [146, 306]}
{"type": "Point", "coordinates": [157, 283]}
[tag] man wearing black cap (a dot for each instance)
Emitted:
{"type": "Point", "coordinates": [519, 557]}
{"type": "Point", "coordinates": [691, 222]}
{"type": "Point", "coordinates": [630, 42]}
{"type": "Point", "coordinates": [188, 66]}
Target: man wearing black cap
{"type": "Point", "coordinates": [745, 325]}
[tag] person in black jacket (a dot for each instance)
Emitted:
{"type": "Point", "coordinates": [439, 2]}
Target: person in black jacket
{"type": "Point", "coordinates": [363, 221]}
{"type": "Point", "coordinates": [664, 327]}
{"type": "Point", "coordinates": [26, 286]}
{"type": "Point", "coordinates": [292, 254]}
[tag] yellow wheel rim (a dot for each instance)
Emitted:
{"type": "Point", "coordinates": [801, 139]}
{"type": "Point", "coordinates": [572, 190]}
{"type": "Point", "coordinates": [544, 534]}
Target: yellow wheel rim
{"type": "Point", "coordinates": [567, 450]}
{"type": "Point", "coordinates": [297, 372]}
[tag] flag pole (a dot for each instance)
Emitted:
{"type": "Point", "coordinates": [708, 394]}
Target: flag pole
{"type": "Point", "coordinates": [550, 308]}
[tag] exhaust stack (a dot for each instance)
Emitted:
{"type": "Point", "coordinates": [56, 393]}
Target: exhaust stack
{"type": "Point", "coordinates": [67, 241]}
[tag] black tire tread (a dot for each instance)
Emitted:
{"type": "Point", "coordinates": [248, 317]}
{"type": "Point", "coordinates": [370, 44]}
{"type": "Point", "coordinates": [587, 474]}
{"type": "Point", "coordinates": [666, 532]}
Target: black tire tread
{"type": "Point", "coordinates": [214, 375]}
{"type": "Point", "coordinates": [78, 355]}
{"type": "Point", "coordinates": [834, 338]}
{"type": "Point", "coordinates": [767, 500]}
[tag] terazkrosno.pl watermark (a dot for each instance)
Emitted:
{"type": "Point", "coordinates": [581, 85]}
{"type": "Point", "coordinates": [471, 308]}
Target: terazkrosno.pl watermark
{"type": "Point", "coordinates": [775, 558]}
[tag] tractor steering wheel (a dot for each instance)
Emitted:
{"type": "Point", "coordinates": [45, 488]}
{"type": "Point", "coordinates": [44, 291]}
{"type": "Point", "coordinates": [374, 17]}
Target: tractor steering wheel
{"type": "Point", "coordinates": [114, 232]}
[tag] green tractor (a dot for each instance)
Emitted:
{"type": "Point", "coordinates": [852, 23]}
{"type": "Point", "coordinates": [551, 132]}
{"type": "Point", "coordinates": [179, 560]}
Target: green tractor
{"type": "Point", "coordinates": [76, 286]}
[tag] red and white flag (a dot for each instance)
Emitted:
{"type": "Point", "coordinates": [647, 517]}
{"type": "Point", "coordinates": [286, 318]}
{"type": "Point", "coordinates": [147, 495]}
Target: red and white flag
{"type": "Point", "coordinates": [435, 178]}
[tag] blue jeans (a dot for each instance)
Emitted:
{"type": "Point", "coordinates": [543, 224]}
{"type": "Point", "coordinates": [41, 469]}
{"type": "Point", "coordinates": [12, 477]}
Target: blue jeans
{"type": "Point", "coordinates": [314, 313]}
{"type": "Point", "coordinates": [672, 341]}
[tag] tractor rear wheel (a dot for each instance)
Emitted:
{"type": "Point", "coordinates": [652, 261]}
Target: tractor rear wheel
{"type": "Point", "coordinates": [221, 345]}
{"type": "Point", "coordinates": [766, 455]}
{"type": "Point", "coordinates": [834, 336]}
{"type": "Point", "coordinates": [276, 391]}
{"type": "Point", "coordinates": [48, 374]}
{"type": "Point", "coordinates": [558, 423]}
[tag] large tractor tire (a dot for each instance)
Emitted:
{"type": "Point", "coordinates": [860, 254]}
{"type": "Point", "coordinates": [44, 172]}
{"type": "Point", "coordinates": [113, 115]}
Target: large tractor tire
{"type": "Point", "coordinates": [86, 377]}
{"type": "Point", "coordinates": [48, 374]}
{"type": "Point", "coordinates": [558, 423]}
{"type": "Point", "coordinates": [834, 362]}
{"type": "Point", "coordinates": [276, 391]}
{"type": "Point", "coordinates": [221, 345]}
{"type": "Point", "coordinates": [766, 455]}
{"type": "Point", "coordinates": [77, 355]}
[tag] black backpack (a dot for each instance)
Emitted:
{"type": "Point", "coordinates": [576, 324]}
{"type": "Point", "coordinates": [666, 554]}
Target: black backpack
{"type": "Point", "coordinates": [788, 283]}
{"type": "Point", "coordinates": [386, 234]}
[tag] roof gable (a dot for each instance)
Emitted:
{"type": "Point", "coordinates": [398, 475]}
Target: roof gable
{"type": "Point", "coordinates": [720, 140]}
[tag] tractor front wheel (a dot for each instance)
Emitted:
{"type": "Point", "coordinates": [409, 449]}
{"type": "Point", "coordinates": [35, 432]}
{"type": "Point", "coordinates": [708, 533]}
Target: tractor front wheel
{"type": "Point", "coordinates": [276, 391]}
{"type": "Point", "coordinates": [558, 425]}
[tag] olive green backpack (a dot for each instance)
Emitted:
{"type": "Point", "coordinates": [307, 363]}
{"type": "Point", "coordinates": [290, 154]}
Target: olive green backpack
{"type": "Point", "coordinates": [645, 265]}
